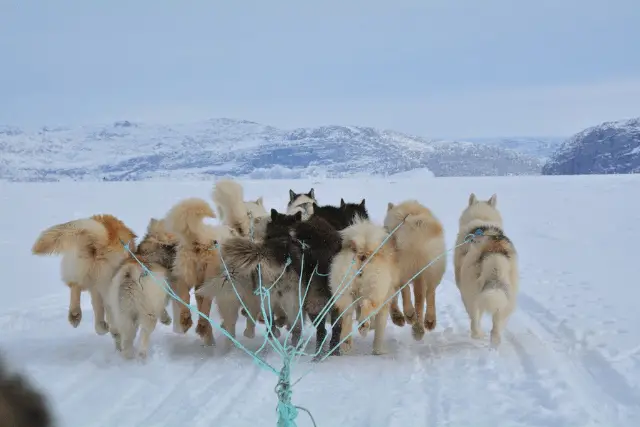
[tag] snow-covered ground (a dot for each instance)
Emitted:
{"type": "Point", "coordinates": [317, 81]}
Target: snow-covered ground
{"type": "Point", "coordinates": [570, 356]}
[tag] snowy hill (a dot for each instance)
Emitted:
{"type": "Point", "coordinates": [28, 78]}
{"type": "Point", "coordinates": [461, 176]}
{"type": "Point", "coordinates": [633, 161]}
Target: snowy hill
{"type": "Point", "coordinates": [219, 147]}
{"type": "Point", "coordinates": [611, 147]}
{"type": "Point", "coordinates": [570, 354]}
{"type": "Point", "coordinates": [536, 146]}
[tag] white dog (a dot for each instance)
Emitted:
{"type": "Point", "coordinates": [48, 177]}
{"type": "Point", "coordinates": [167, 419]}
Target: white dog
{"type": "Point", "coordinates": [486, 268]}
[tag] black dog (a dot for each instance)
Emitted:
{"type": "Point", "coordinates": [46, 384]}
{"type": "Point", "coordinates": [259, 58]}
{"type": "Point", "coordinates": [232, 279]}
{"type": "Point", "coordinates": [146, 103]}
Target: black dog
{"type": "Point", "coordinates": [341, 217]}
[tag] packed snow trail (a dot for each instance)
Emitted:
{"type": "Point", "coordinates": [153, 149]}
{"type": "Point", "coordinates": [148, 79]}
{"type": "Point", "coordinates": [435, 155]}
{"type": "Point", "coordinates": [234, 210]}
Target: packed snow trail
{"type": "Point", "coordinates": [569, 356]}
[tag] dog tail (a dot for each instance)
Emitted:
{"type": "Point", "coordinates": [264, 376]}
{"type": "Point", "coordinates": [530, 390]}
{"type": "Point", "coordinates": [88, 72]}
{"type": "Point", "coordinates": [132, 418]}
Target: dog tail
{"type": "Point", "coordinates": [493, 297]}
{"type": "Point", "coordinates": [228, 196]}
{"type": "Point", "coordinates": [241, 255]}
{"type": "Point", "coordinates": [70, 236]}
{"type": "Point", "coordinates": [139, 291]}
{"type": "Point", "coordinates": [185, 218]}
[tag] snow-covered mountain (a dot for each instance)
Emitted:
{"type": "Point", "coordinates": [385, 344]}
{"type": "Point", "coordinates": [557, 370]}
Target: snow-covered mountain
{"type": "Point", "coordinates": [226, 147]}
{"type": "Point", "coordinates": [609, 148]}
{"type": "Point", "coordinates": [537, 146]}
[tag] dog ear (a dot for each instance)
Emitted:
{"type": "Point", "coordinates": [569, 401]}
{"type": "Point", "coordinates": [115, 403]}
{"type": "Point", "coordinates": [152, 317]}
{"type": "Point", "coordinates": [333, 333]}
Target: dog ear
{"type": "Point", "coordinates": [298, 216]}
{"type": "Point", "coordinates": [311, 194]}
{"type": "Point", "coordinates": [292, 195]}
{"type": "Point", "coordinates": [472, 199]}
{"type": "Point", "coordinates": [259, 202]}
{"type": "Point", "coordinates": [362, 203]}
{"type": "Point", "coordinates": [274, 214]}
{"type": "Point", "coordinates": [389, 206]}
{"type": "Point", "coordinates": [342, 203]}
{"type": "Point", "coordinates": [493, 200]}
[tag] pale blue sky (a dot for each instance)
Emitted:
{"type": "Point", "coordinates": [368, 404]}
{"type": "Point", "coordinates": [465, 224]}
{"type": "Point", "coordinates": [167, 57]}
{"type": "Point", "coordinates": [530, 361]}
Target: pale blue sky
{"type": "Point", "coordinates": [441, 68]}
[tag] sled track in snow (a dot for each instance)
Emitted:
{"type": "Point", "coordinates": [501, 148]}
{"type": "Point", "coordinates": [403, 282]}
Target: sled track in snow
{"type": "Point", "coordinates": [603, 391]}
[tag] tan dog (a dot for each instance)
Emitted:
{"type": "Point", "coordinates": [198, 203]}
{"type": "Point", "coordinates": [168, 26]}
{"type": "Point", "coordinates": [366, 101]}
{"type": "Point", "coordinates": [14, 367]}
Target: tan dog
{"type": "Point", "coordinates": [228, 196]}
{"type": "Point", "coordinates": [91, 251]}
{"type": "Point", "coordinates": [374, 285]}
{"type": "Point", "coordinates": [197, 259]}
{"type": "Point", "coordinates": [486, 269]}
{"type": "Point", "coordinates": [418, 241]}
{"type": "Point", "coordinates": [137, 299]}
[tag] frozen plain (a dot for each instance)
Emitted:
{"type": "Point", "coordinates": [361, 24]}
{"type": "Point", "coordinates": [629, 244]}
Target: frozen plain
{"type": "Point", "coordinates": [570, 356]}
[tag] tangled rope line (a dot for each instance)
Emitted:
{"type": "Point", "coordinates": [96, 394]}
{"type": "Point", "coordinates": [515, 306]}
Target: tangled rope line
{"type": "Point", "coordinates": [290, 354]}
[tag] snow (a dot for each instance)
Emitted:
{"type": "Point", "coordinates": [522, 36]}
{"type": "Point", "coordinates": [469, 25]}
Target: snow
{"type": "Point", "coordinates": [570, 356]}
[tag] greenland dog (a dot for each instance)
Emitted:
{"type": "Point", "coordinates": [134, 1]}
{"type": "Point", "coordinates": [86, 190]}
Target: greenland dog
{"type": "Point", "coordinates": [234, 212]}
{"type": "Point", "coordinates": [418, 242]}
{"type": "Point", "coordinates": [197, 259]}
{"type": "Point", "coordinates": [302, 202]}
{"type": "Point", "coordinates": [137, 299]}
{"type": "Point", "coordinates": [373, 285]}
{"type": "Point", "coordinates": [486, 268]}
{"type": "Point", "coordinates": [92, 250]}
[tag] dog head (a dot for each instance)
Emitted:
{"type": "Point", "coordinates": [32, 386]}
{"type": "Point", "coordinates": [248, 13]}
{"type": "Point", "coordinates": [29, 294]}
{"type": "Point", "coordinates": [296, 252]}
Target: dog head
{"type": "Point", "coordinates": [302, 202]}
{"type": "Point", "coordinates": [157, 230]}
{"type": "Point", "coordinates": [256, 208]}
{"type": "Point", "coordinates": [354, 210]}
{"type": "Point", "coordinates": [481, 210]}
{"type": "Point", "coordinates": [363, 238]}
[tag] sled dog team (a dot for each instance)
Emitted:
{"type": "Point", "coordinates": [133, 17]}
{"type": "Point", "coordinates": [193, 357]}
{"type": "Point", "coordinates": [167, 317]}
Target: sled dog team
{"type": "Point", "coordinates": [332, 250]}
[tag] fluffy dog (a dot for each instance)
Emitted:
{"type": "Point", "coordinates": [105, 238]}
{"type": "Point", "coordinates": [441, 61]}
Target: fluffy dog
{"type": "Point", "coordinates": [92, 250]}
{"type": "Point", "coordinates": [418, 241]}
{"type": "Point", "coordinates": [302, 202]}
{"type": "Point", "coordinates": [373, 285]}
{"type": "Point", "coordinates": [137, 299]}
{"type": "Point", "coordinates": [343, 216]}
{"type": "Point", "coordinates": [242, 257]}
{"type": "Point", "coordinates": [197, 259]}
{"type": "Point", "coordinates": [21, 405]}
{"type": "Point", "coordinates": [228, 196]}
{"type": "Point", "coordinates": [486, 269]}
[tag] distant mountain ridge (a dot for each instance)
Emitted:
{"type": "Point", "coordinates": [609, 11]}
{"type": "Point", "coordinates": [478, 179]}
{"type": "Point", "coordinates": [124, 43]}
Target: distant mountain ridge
{"type": "Point", "coordinates": [127, 150]}
{"type": "Point", "coordinates": [608, 148]}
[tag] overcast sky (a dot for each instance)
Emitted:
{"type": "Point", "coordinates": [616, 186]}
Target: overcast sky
{"type": "Point", "coordinates": [439, 68]}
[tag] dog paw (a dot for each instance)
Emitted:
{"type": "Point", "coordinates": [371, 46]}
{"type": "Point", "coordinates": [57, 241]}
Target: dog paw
{"type": "Point", "coordinates": [364, 328]}
{"type": "Point", "coordinates": [128, 353]}
{"type": "Point", "coordinates": [101, 327]}
{"type": "Point", "coordinates": [417, 331]}
{"type": "Point", "coordinates": [276, 332]}
{"type": "Point", "coordinates": [206, 333]}
{"type": "Point", "coordinates": [430, 324]}
{"type": "Point", "coordinates": [477, 335]}
{"type": "Point", "coordinates": [495, 340]}
{"type": "Point", "coordinates": [410, 316]}
{"type": "Point", "coordinates": [75, 316]}
{"type": "Point", "coordinates": [378, 351]}
{"type": "Point", "coordinates": [281, 321]}
{"type": "Point", "coordinates": [345, 347]}
{"type": "Point", "coordinates": [165, 319]}
{"type": "Point", "coordinates": [185, 321]}
{"type": "Point", "coordinates": [249, 333]}
{"type": "Point", "coordinates": [397, 318]}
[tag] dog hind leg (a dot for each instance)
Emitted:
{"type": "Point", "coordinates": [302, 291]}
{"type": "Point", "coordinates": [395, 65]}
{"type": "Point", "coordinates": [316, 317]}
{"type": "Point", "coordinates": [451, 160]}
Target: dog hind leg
{"type": "Point", "coordinates": [204, 329]}
{"type": "Point", "coordinates": [128, 331]}
{"type": "Point", "coordinates": [430, 318]}
{"type": "Point", "coordinates": [148, 323]}
{"type": "Point", "coordinates": [75, 312]}
{"type": "Point", "coordinates": [407, 307]}
{"type": "Point", "coordinates": [101, 326]}
{"type": "Point", "coordinates": [381, 324]}
{"type": "Point", "coordinates": [419, 295]}
{"type": "Point", "coordinates": [397, 317]}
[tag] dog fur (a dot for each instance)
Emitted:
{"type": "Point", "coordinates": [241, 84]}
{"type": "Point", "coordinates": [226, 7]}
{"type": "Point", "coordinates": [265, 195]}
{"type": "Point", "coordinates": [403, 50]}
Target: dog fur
{"type": "Point", "coordinates": [302, 203]}
{"type": "Point", "coordinates": [21, 404]}
{"type": "Point", "coordinates": [486, 268]}
{"type": "Point", "coordinates": [343, 216]}
{"type": "Point", "coordinates": [92, 251]}
{"type": "Point", "coordinates": [228, 196]}
{"type": "Point", "coordinates": [137, 299]}
{"type": "Point", "coordinates": [197, 259]}
{"type": "Point", "coordinates": [418, 242]}
{"type": "Point", "coordinates": [374, 285]}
